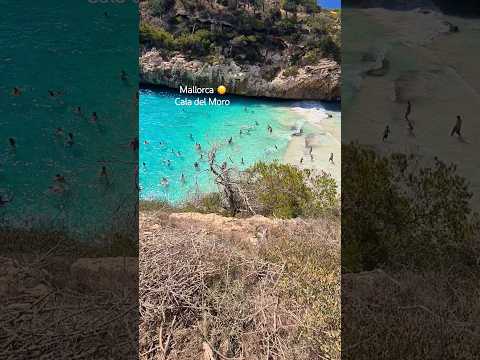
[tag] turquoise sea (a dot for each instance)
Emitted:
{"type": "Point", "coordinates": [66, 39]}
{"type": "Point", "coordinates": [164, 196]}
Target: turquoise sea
{"type": "Point", "coordinates": [76, 49]}
{"type": "Point", "coordinates": [169, 134]}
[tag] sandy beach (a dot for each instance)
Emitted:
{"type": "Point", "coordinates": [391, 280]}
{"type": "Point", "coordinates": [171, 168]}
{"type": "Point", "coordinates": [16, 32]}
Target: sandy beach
{"type": "Point", "coordinates": [324, 139]}
{"type": "Point", "coordinates": [438, 72]}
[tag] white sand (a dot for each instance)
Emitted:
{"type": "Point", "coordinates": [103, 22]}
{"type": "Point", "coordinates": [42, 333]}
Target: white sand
{"type": "Point", "coordinates": [442, 81]}
{"type": "Point", "coordinates": [325, 139]}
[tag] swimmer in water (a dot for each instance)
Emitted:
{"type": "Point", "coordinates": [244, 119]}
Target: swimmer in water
{"type": "Point", "coordinates": [144, 165]}
{"type": "Point", "coordinates": [256, 123]}
{"type": "Point", "coordinates": [134, 144]}
{"type": "Point", "coordinates": [195, 164]}
{"type": "Point", "coordinates": [164, 182]}
{"type": "Point", "coordinates": [242, 162]}
{"type": "Point", "coordinates": [70, 139]}
{"type": "Point", "coordinates": [224, 166]}
{"type": "Point", "coordinates": [198, 146]}
{"type": "Point", "coordinates": [182, 178]}
{"type": "Point", "coordinates": [146, 142]}
{"type": "Point", "coordinates": [270, 129]}
{"type": "Point", "coordinates": [13, 143]}
{"type": "Point", "coordinates": [94, 117]}
{"type": "Point", "coordinates": [191, 137]}
{"type": "Point", "coordinates": [124, 75]}
{"type": "Point", "coordinates": [276, 147]}
{"type": "Point", "coordinates": [179, 154]}
{"type": "Point", "coordinates": [4, 201]}
{"type": "Point", "coordinates": [103, 172]}
{"type": "Point", "coordinates": [16, 91]}
{"type": "Point", "coordinates": [59, 179]}
{"type": "Point", "coordinates": [230, 141]}
{"type": "Point", "coordinates": [78, 111]}
{"type": "Point", "coordinates": [59, 132]}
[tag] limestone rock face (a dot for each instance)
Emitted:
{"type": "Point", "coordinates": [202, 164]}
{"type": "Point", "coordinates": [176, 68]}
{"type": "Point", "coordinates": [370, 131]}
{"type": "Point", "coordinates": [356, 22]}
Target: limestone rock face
{"type": "Point", "coordinates": [312, 82]}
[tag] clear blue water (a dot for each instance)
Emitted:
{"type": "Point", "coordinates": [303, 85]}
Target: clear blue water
{"type": "Point", "coordinates": [166, 129]}
{"type": "Point", "coordinates": [72, 47]}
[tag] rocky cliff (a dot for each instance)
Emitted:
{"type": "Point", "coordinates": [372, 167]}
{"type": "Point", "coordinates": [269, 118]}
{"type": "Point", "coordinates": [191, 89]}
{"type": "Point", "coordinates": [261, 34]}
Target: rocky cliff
{"type": "Point", "coordinates": [320, 81]}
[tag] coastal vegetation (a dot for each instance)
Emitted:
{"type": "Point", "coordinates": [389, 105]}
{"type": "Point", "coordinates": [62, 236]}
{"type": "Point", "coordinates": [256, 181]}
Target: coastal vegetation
{"type": "Point", "coordinates": [250, 271]}
{"type": "Point", "coordinates": [246, 31]}
{"type": "Point", "coordinates": [410, 258]}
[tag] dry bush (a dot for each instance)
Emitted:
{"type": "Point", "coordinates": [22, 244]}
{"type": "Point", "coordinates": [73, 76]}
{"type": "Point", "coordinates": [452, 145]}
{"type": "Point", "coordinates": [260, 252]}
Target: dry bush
{"type": "Point", "coordinates": [207, 298]}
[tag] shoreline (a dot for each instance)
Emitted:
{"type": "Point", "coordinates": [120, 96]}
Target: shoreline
{"type": "Point", "coordinates": [325, 138]}
{"type": "Point", "coordinates": [440, 85]}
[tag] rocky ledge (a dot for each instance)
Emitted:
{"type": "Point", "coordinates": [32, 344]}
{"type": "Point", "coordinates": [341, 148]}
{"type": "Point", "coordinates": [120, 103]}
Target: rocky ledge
{"type": "Point", "coordinates": [312, 82]}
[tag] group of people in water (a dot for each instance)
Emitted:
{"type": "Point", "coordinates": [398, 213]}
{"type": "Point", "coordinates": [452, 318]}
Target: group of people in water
{"type": "Point", "coordinates": [59, 182]}
{"type": "Point", "coordinates": [456, 130]}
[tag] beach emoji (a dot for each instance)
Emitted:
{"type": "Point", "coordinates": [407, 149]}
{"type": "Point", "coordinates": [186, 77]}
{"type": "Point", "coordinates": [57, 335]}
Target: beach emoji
{"type": "Point", "coordinates": [222, 90]}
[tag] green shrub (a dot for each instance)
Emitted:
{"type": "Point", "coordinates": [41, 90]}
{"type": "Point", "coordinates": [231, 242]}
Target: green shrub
{"type": "Point", "coordinates": [157, 37]}
{"type": "Point", "coordinates": [285, 191]}
{"type": "Point", "coordinates": [396, 213]}
{"type": "Point", "coordinates": [291, 71]}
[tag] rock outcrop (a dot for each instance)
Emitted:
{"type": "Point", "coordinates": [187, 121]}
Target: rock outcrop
{"type": "Point", "coordinates": [320, 81]}
{"type": "Point", "coordinates": [254, 230]}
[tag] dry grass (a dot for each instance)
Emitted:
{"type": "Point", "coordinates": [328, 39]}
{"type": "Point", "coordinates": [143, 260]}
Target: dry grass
{"type": "Point", "coordinates": [207, 298]}
{"type": "Point", "coordinates": [410, 315]}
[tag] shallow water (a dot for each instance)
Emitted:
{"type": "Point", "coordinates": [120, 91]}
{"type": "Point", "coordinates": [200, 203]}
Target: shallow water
{"type": "Point", "coordinates": [166, 128]}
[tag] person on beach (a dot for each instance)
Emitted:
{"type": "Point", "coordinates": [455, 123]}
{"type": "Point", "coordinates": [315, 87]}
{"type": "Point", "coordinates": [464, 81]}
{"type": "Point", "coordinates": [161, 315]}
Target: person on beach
{"type": "Point", "coordinates": [386, 133]}
{"type": "Point", "coordinates": [301, 160]}
{"type": "Point", "coordinates": [224, 166]}
{"type": "Point", "coordinates": [457, 129]}
{"type": "Point", "coordinates": [311, 150]}
{"type": "Point", "coordinates": [311, 157]}
{"type": "Point", "coordinates": [331, 159]}
{"type": "Point", "coordinates": [409, 110]}
{"type": "Point", "coordinates": [16, 91]}
{"type": "Point", "coordinates": [13, 143]}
